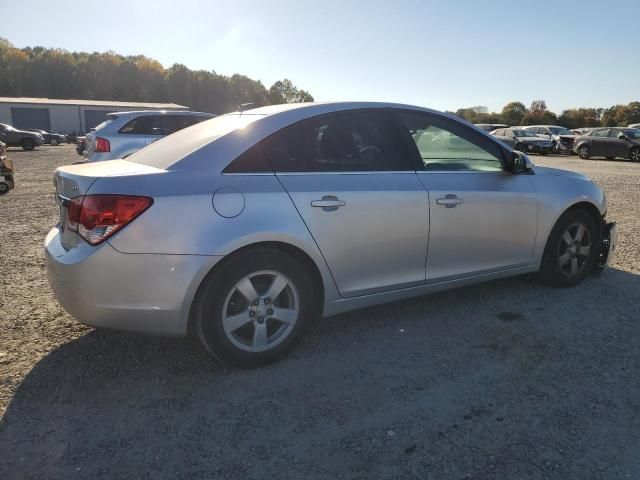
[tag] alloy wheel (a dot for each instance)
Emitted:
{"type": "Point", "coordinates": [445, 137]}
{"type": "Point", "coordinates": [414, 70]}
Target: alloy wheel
{"type": "Point", "coordinates": [260, 311]}
{"type": "Point", "coordinates": [635, 154]}
{"type": "Point", "coordinates": [574, 249]}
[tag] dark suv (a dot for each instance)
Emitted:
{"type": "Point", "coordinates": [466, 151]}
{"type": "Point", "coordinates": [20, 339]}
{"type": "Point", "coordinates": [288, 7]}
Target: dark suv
{"type": "Point", "coordinates": [19, 138]}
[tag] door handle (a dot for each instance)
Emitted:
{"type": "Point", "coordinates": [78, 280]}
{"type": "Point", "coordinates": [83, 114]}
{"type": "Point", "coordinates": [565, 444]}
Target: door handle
{"type": "Point", "coordinates": [329, 203]}
{"type": "Point", "coordinates": [450, 201]}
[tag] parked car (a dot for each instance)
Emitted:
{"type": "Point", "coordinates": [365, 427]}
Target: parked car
{"type": "Point", "coordinates": [81, 144]}
{"type": "Point", "coordinates": [561, 137]}
{"type": "Point", "coordinates": [48, 137]}
{"type": "Point", "coordinates": [124, 133]}
{"type": "Point", "coordinates": [610, 143]}
{"type": "Point", "coordinates": [243, 229]}
{"type": "Point", "coordinates": [490, 127]}
{"type": "Point", "coordinates": [523, 140]}
{"type": "Point", "coordinates": [634, 125]}
{"type": "Point", "coordinates": [13, 137]}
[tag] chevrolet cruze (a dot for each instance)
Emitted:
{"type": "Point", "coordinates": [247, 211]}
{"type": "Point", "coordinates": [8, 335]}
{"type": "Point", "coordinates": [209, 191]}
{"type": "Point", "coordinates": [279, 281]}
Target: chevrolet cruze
{"type": "Point", "coordinates": [242, 229]}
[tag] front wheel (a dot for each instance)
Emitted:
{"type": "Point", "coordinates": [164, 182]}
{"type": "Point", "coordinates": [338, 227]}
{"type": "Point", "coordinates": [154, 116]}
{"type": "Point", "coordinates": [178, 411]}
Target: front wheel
{"type": "Point", "coordinates": [634, 154]}
{"type": "Point", "coordinates": [54, 142]}
{"type": "Point", "coordinates": [4, 187]}
{"type": "Point", "coordinates": [584, 152]}
{"type": "Point", "coordinates": [255, 309]}
{"type": "Point", "coordinates": [28, 144]}
{"type": "Point", "coordinates": [572, 249]}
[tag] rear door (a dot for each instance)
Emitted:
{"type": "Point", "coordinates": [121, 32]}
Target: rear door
{"type": "Point", "coordinates": [350, 176]}
{"type": "Point", "coordinates": [600, 142]}
{"type": "Point", "coordinates": [482, 218]}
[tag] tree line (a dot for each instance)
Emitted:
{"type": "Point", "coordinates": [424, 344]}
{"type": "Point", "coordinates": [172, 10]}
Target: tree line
{"type": "Point", "coordinates": [56, 73]}
{"type": "Point", "coordinates": [515, 113]}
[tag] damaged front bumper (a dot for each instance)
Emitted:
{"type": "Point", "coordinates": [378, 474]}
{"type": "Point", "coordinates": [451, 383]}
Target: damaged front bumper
{"type": "Point", "coordinates": [609, 243]}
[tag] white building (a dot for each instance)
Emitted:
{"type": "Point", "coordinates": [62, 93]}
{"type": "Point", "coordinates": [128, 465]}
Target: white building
{"type": "Point", "coordinates": [67, 116]}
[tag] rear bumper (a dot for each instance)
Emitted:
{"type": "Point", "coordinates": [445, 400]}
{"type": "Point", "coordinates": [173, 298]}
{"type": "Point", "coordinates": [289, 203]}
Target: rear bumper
{"type": "Point", "coordinates": [102, 287]}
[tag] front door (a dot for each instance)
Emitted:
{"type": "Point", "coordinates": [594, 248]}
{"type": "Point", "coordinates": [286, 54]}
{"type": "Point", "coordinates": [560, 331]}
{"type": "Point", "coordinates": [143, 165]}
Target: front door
{"type": "Point", "coordinates": [482, 219]}
{"type": "Point", "coordinates": [618, 147]}
{"type": "Point", "coordinates": [350, 176]}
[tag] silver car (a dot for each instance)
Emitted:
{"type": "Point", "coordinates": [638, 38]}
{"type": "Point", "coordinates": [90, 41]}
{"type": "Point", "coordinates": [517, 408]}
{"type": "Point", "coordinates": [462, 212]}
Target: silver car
{"type": "Point", "coordinates": [244, 228]}
{"type": "Point", "coordinates": [124, 133]}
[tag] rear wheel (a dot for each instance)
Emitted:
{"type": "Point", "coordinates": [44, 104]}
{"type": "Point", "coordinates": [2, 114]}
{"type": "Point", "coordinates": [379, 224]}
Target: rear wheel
{"type": "Point", "coordinates": [254, 309]}
{"type": "Point", "coordinates": [572, 249]}
{"type": "Point", "coordinates": [54, 141]}
{"type": "Point", "coordinates": [634, 154]}
{"type": "Point", "coordinates": [4, 187]}
{"type": "Point", "coordinates": [27, 144]}
{"type": "Point", "coordinates": [584, 152]}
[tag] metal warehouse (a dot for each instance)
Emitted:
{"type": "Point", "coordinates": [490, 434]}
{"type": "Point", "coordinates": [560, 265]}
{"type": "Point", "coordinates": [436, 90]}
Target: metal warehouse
{"type": "Point", "coordinates": [67, 116]}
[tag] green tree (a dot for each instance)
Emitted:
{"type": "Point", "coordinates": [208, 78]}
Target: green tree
{"type": "Point", "coordinates": [513, 112]}
{"type": "Point", "coordinates": [538, 114]}
{"type": "Point", "coordinates": [284, 91]}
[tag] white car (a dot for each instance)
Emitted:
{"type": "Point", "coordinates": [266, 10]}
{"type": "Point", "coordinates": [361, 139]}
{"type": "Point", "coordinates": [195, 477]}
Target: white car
{"type": "Point", "coordinates": [561, 138]}
{"type": "Point", "coordinates": [124, 133]}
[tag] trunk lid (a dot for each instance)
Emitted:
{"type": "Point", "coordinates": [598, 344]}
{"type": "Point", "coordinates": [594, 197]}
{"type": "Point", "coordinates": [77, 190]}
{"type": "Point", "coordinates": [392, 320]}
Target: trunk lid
{"type": "Point", "coordinates": [73, 181]}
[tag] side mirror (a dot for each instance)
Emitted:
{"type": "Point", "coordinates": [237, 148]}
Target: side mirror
{"type": "Point", "coordinates": [622, 136]}
{"type": "Point", "coordinates": [520, 163]}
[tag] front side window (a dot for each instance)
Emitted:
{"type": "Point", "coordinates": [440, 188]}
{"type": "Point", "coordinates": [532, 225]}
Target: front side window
{"type": "Point", "coordinates": [174, 123]}
{"type": "Point", "coordinates": [614, 132]}
{"type": "Point", "coordinates": [601, 133]}
{"type": "Point", "coordinates": [444, 145]}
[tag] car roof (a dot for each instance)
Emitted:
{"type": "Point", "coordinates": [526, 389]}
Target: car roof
{"type": "Point", "coordinates": [228, 143]}
{"type": "Point", "coordinates": [159, 112]}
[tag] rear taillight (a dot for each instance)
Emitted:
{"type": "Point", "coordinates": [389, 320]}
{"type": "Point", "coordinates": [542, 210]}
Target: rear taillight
{"type": "Point", "coordinates": [102, 145]}
{"type": "Point", "coordinates": [97, 217]}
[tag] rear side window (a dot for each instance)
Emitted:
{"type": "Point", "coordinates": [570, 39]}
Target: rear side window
{"type": "Point", "coordinates": [601, 133]}
{"type": "Point", "coordinates": [144, 125]}
{"type": "Point", "coordinates": [355, 141]}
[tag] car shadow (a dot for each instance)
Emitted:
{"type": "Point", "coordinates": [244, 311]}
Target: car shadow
{"type": "Point", "coordinates": [119, 405]}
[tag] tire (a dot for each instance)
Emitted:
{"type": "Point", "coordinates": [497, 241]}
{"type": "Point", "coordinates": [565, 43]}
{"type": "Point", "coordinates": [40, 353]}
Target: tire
{"type": "Point", "coordinates": [228, 324]}
{"type": "Point", "coordinates": [634, 154]}
{"type": "Point", "coordinates": [4, 187]}
{"type": "Point", "coordinates": [610, 158]}
{"type": "Point", "coordinates": [584, 152]}
{"type": "Point", "coordinates": [572, 249]}
{"type": "Point", "coordinates": [28, 144]}
{"type": "Point", "coordinates": [54, 142]}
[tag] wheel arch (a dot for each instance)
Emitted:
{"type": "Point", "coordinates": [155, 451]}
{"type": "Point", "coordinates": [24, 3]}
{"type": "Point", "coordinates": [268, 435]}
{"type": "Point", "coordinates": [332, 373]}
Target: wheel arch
{"type": "Point", "coordinates": [590, 208]}
{"type": "Point", "coordinates": [287, 248]}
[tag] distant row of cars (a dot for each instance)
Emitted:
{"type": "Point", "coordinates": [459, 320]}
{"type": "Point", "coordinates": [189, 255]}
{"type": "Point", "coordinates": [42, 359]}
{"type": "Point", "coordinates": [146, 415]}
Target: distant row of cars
{"type": "Point", "coordinates": [28, 138]}
{"type": "Point", "coordinates": [608, 142]}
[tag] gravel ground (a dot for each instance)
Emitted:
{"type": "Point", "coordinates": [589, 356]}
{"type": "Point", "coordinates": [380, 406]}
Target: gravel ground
{"type": "Point", "coordinates": [505, 380]}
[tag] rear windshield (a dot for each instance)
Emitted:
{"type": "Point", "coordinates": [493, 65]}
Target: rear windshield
{"type": "Point", "coordinates": [171, 149]}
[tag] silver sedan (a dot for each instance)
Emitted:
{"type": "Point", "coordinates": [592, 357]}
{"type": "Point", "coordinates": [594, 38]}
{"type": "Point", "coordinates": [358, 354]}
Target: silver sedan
{"type": "Point", "coordinates": [245, 228]}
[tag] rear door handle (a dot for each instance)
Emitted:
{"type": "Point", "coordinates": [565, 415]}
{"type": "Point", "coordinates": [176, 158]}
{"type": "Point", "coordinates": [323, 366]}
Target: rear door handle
{"type": "Point", "coordinates": [450, 201]}
{"type": "Point", "coordinates": [329, 203]}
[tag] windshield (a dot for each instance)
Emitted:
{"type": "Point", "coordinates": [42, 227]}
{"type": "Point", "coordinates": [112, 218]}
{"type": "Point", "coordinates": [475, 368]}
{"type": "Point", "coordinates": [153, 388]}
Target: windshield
{"type": "Point", "coordinates": [523, 133]}
{"type": "Point", "coordinates": [634, 133]}
{"type": "Point", "coordinates": [175, 147]}
{"type": "Point", "coordinates": [560, 131]}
